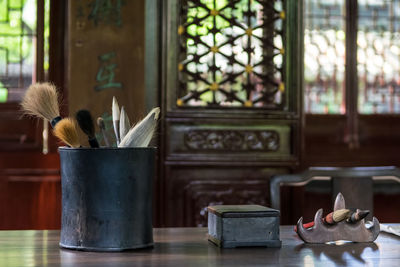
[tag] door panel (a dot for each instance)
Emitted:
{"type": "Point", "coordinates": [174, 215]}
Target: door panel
{"type": "Point", "coordinates": [190, 189]}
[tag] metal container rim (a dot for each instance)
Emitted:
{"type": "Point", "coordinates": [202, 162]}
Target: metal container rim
{"type": "Point", "coordinates": [65, 148]}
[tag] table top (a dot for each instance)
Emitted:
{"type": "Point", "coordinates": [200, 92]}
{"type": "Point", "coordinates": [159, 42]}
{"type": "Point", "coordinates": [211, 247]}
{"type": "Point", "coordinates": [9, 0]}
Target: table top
{"type": "Point", "coordinates": [189, 247]}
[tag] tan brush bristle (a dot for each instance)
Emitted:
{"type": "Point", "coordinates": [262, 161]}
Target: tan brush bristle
{"type": "Point", "coordinates": [41, 100]}
{"type": "Point", "coordinates": [66, 131]}
{"type": "Point", "coordinates": [340, 215]}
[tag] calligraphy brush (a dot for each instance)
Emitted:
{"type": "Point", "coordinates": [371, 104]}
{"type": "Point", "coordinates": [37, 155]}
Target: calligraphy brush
{"type": "Point", "coordinates": [141, 134]}
{"type": "Point", "coordinates": [85, 121]}
{"type": "Point", "coordinates": [357, 215]}
{"type": "Point", "coordinates": [115, 117]}
{"type": "Point", "coordinates": [66, 131]}
{"type": "Point", "coordinates": [332, 218]}
{"type": "Point", "coordinates": [336, 216]}
{"type": "Point", "coordinates": [102, 126]}
{"type": "Point", "coordinates": [124, 123]}
{"type": "Point", "coordinates": [41, 100]}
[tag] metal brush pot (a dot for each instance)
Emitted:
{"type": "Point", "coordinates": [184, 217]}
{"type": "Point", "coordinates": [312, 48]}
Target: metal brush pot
{"type": "Point", "coordinates": [106, 198]}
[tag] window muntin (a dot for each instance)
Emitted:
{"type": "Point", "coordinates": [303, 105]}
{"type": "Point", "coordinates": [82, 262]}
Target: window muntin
{"type": "Point", "coordinates": [324, 56]}
{"type": "Point", "coordinates": [18, 46]}
{"type": "Point", "coordinates": [378, 55]}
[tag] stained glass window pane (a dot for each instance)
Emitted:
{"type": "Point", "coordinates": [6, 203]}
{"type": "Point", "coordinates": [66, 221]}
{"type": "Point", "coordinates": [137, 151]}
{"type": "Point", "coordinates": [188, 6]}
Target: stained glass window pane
{"type": "Point", "coordinates": [18, 35]}
{"type": "Point", "coordinates": [378, 44]}
{"type": "Point", "coordinates": [231, 53]}
{"type": "Point", "coordinates": [324, 56]}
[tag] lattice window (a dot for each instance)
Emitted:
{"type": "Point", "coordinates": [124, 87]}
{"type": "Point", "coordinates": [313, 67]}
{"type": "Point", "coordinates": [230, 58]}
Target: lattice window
{"type": "Point", "coordinates": [324, 56]}
{"type": "Point", "coordinates": [232, 53]}
{"type": "Point", "coordinates": [378, 56]}
{"type": "Point", "coordinates": [18, 46]}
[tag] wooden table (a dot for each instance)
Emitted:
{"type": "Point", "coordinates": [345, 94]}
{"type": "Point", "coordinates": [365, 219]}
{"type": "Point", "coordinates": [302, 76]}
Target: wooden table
{"type": "Point", "coordinates": [189, 247]}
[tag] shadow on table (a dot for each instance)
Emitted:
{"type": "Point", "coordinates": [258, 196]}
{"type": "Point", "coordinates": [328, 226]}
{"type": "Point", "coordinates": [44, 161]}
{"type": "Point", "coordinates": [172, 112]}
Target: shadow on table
{"type": "Point", "coordinates": [337, 251]}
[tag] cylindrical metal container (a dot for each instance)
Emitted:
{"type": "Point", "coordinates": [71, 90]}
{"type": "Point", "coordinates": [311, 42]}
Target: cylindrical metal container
{"type": "Point", "coordinates": [106, 198]}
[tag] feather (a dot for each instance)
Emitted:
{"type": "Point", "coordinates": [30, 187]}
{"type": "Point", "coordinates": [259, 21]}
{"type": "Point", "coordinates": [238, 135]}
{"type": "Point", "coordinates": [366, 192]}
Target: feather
{"type": "Point", "coordinates": [141, 134]}
{"type": "Point", "coordinates": [115, 117]}
{"type": "Point", "coordinates": [124, 123]}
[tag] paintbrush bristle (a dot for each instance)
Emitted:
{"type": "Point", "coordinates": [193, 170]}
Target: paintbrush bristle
{"type": "Point", "coordinates": [142, 133]}
{"type": "Point", "coordinates": [340, 215]}
{"type": "Point", "coordinates": [66, 131]}
{"type": "Point", "coordinates": [41, 100]}
{"type": "Point", "coordinates": [85, 121]}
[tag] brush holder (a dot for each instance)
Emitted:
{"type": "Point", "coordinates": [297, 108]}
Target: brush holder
{"type": "Point", "coordinates": [106, 198]}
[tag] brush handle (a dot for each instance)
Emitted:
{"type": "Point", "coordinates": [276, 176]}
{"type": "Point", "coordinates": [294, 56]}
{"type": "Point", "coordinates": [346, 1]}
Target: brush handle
{"type": "Point", "coordinates": [103, 131]}
{"type": "Point", "coordinates": [93, 142]}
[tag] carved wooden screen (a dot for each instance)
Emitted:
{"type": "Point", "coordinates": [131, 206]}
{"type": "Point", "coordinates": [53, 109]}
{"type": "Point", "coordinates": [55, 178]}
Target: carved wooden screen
{"type": "Point", "coordinates": [231, 53]}
{"type": "Point", "coordinates": [230, 102]}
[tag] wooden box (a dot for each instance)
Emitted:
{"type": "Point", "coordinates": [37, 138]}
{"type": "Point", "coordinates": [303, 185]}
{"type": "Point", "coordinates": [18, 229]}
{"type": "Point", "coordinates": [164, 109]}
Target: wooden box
{"type": "Point", "coordinates": [232, 226]}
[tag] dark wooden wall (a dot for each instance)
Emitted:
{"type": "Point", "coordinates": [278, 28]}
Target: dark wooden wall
{"type": "Point", "coordinates": [105, 58]}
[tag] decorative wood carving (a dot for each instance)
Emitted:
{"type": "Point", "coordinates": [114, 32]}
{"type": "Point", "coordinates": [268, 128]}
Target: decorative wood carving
{"type": "Point", "coordinates": [230, 140]}
{"type": "Point", "coordinates": [201, 194]}
{"type": "Point", "coordinates": [190, 189]}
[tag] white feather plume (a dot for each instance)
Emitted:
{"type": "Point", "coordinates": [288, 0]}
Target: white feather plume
{"type": "Point", "coordinates": [124, 123]}
{"type": "Point", "coordinates": [115, 118]}
{"type": "Point", "coordinates": [141, 134]}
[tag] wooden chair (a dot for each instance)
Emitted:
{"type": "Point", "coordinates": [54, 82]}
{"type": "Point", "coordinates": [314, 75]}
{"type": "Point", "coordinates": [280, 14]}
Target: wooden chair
{"type": "Point", "coordinates": [355, 183]}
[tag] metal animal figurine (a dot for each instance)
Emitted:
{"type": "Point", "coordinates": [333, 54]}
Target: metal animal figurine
{"type": "Point", "coordinates": [322, 233]}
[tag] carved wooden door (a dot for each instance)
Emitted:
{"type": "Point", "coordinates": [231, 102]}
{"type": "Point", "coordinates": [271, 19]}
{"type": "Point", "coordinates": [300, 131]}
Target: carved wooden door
{"type": "Point", "coordinates": [231, 103]}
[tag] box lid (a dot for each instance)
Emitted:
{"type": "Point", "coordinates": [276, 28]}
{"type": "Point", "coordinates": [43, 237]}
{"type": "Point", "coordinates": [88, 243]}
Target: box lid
{"type": "Point", "coordinates": [235, 211]}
